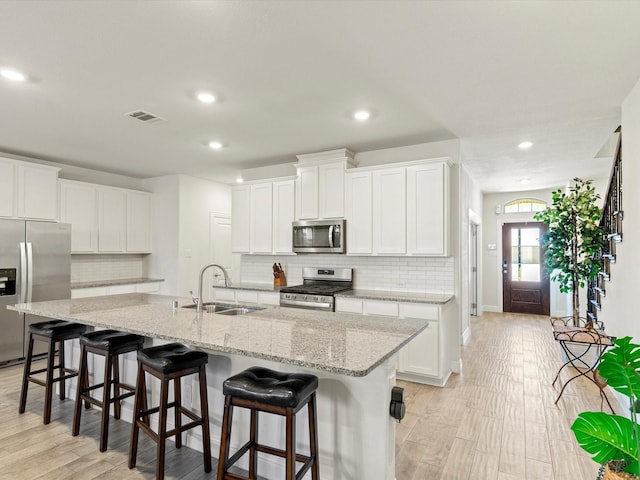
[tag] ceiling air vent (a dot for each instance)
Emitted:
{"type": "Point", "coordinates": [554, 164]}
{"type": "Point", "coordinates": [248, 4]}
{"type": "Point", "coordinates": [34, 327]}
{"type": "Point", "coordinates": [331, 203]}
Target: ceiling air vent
{"type": "Point", "coordinates": [145, 117]}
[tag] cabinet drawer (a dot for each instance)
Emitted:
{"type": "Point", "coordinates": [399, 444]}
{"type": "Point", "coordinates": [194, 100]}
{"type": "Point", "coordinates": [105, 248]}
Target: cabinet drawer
{"type": "Point", "coordinates": [225, 294]}
{"type": "Point", "coordinates": [419, 310]}
{"type": "Point", "coordinates": [348, 305]}
{"type": "Point", "coordinates": [268, 298]}
{"type": "Point", "coordinates": [117, 289]}
{"type": "Point", "coordinates": [243, 296]}
{"type": "Point", "coordinates": [89, 292]}
{"type": "Point", "coordinates": [375, 307]}
{"type": "Point", "coordinates": [148, 287]}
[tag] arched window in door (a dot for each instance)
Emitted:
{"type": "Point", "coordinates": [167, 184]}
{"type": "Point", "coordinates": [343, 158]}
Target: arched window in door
{"type": "Point", "coordinates": [524, 205]}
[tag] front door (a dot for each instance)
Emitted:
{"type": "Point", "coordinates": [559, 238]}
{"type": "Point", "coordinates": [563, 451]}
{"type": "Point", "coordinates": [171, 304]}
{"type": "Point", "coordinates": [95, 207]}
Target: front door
{"type": "Point", "coordinates": [525, 283]}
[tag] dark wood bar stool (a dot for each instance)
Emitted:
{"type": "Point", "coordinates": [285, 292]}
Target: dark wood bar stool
{"type": "Point", "coordinates": [263, 390]}
{"type": "Point", "coordinates": [169, 362]}
{"type": "Point", "coordinates": [110, 344]}
{"type": "Point", "coordinates": [53, 332]}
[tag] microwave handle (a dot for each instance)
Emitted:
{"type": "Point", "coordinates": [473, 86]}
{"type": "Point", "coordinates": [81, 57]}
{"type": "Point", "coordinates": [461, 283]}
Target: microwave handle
{"type": "Point", "coordinates": [331, 235]}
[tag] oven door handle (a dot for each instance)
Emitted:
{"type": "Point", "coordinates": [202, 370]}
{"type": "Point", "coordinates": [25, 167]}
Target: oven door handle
{"type": "Point", "coordinates": [310, 305]}
{"type": "Point", "coordinates": [331, 227]}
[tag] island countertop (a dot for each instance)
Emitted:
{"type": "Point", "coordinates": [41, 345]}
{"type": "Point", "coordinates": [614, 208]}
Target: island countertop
{"type": "Point", "coordinates": [342, 343]}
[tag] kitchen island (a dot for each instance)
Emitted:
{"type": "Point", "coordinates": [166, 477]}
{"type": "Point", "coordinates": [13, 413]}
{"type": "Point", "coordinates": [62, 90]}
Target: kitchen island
{"type": "Point", "coordinates": [354, 357]}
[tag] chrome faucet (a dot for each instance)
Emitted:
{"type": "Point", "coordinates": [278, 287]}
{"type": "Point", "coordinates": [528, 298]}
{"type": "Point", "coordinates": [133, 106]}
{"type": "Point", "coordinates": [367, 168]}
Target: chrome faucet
{"type": "Point", "coordinates": [227, 283]}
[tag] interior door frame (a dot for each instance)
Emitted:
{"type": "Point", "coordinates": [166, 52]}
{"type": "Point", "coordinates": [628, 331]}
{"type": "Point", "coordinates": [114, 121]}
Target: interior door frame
{"type": "Point", "coordinates": [501, 220]}
{"type": "Point", "coordinates": [501, 280]}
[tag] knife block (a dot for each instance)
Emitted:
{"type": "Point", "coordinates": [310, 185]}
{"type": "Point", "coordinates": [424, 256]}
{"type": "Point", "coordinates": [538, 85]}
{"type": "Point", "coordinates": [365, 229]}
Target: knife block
{"type": "Point", "coordinates": [279, 279]}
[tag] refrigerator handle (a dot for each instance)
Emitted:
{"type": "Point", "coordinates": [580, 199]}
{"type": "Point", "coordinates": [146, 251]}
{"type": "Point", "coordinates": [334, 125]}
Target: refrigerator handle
{"type": "Point", "coordinates": [23, 272]}
{"type": "Point", "coordinates": [29, 272]}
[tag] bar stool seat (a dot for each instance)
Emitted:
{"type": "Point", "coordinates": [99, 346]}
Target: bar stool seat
{"type": "Point", "coordinates": [110, 344]}
{"type": "Point", "coordinates": [169, 362]}
{"type": "Point", "coordinates": [53, 332]}
{"type": "Point", "coordinates": [262, 389]}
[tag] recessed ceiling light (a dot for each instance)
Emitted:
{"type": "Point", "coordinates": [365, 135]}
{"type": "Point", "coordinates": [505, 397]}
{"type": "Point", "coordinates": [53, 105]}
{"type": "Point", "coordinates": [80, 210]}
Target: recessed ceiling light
{"type": "Point", "coordinates": [206, 97]}
{"type": "Point", "coordinates": [215, 145]}
{"type": "Point", "coordinates": [362, 115]}
{"type": "Point", "coordinates": [525, 145]}
{"type": "Point", "coordinates": [239, 180]}
{"type": "Point", "coordinates": [13, 75]}
{"type": "Point", "coordinates": [525, 181]}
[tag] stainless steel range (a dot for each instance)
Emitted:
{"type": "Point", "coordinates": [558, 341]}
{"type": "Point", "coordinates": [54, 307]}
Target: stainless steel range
{"type": "Point", "coordinates": [318, 288]}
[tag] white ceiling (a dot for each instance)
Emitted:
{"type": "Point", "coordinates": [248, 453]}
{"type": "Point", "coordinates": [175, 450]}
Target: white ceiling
{"type": "Point", "coordinates": [290, 73]}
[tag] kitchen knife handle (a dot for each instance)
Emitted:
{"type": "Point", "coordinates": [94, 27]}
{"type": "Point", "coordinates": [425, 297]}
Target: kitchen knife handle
{"type": "Point", "coordinates": [23, 273]}
{"type": "Point", "coordinates": [29, 272]}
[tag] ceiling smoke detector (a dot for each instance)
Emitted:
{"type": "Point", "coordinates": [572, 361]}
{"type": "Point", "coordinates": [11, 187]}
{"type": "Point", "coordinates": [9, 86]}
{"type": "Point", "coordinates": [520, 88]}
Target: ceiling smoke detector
{"type": "Point", "coordinates": [145, 117]}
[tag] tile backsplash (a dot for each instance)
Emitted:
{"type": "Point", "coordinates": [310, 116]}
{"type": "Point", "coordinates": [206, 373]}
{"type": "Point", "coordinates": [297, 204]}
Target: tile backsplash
{"type": "Point", "coordinates": [402, 274]}
{"type": "Point", "coordinates": [90, 268]}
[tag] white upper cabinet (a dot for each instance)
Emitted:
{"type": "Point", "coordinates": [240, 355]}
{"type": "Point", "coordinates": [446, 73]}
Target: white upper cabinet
{"type": "Point", "coordinates": [106, 219]}
{"type": "Point", "coordinates": [78, 207]}
{"type": "Point", "coordinates": [261, 218]}
{"type": "Point", "coordinates": [283, 215]}
{"type": "Point", "coordinates": [358, 212]}
{"type": "Point", "coordinates": [389, 211]}
{"type": "Point", "coordinates": [320, 184]}
{"type": "Point", "coordinates": [331, 190]}
{"type": "Point", "coordinates": [241, 219]}
{"type": "Point", "coordinates": [262, 215]}
{"type": "Point", "coordinates": [111, 220]}
{"type": "Point", "coordinates": [427, 209]}
{"type": "Point", "coordinates": [401, 210]}
{"type": "Point", "coordinates": [28, 190]}
{"type": "Point", "coordinates": [307, 193]}
{"type": "Point", "coordinates": [7, 188]}
{"type": "Point", "coordinates": [138, 222]}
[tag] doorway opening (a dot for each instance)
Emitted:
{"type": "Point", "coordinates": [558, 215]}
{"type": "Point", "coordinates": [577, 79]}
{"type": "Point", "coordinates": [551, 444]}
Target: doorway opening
{"type": "Point", "coordinates": [526, 286]}
{"type": "Point", "coordinates": [473, 269]}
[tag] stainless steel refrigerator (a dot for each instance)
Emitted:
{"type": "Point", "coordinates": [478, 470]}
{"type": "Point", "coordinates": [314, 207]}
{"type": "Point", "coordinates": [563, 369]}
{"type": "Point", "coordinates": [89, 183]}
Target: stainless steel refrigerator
{"type": "Point", "coordinates": [35, 265]}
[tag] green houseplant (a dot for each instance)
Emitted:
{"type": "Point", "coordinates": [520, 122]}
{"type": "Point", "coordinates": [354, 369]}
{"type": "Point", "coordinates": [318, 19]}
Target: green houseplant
{"type": "Point", "coordinates": [611, 437]}
{"type": "Point", "coordinates": [572, 239]}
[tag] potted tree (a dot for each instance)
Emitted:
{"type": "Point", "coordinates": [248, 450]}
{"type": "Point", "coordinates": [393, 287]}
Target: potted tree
{"type": "Point", "coordinates": [614, 440]}
{"type": "Point", "coordinates": [572, 240]}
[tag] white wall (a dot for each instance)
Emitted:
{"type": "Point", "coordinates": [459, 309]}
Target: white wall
{"type": "Point", "coordinates": [618, 311]}
{"type": "Point", "coordinates": [492, 234]}
{"type": "Point", "coordinates": [198, 199]}
{"type": "Point", "coordinates": [470, 206]}
{"type": "Point", "coordinates": [182, 208]}
{"type": "Point", "coordinates": [162, 263]}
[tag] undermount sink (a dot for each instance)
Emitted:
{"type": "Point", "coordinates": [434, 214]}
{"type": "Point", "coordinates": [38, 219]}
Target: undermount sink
{"type": "Point", "coordinates": [240, 310]}
{"type": "Point", "coordinates": [213, 307]}
{"type": "Point", "coordinates": [225, 308]}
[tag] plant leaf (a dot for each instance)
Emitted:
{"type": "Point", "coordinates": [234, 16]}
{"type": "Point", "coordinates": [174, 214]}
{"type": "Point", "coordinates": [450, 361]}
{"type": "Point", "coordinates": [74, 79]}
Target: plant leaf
{"type": "Point", "coordinates": [606, 437]}
{"type": "Point", "coordinates": [621, 367]}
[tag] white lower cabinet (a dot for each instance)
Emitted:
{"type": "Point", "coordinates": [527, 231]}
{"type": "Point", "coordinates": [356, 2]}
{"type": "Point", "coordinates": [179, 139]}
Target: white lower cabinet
{"type": "Point", "coordinates": [246, 296]}
{"type": "Point", "coordinates": [148, 287]}
{"type": "Point", "coordinates": [421, 359]}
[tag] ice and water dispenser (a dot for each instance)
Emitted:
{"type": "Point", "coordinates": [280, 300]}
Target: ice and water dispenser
{"type": "Point", "coordinates": [7, 281]}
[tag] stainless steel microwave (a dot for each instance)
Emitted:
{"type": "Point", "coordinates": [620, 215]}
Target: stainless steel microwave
{"type": "Point", "coordinates": [319, 236]}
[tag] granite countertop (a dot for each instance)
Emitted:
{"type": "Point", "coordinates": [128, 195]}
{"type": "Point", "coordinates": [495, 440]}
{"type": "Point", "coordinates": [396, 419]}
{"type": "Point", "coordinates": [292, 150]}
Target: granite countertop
{"type": "Point", "coordinates": [437, 298]}
{"type": "Point", "coordinates": [341, 343]}
{"type": "Point", "coordinates": [109, 283]}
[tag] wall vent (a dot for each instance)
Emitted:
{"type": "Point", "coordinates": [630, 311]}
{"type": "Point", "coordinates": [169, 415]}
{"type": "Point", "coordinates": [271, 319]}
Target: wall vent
{"type": "Point", "coordinates": [145, 117]}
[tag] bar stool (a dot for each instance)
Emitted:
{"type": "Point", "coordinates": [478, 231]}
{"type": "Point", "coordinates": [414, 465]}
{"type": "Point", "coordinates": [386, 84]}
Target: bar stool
{"type": "Point", "coordinates": [52, 332]}
{"type": "Point", "coordinates": [169, 362]}
{"type": "Point", "coordinates": [264, 390]}
{"type": "Point", "coordinates": [110, 344]}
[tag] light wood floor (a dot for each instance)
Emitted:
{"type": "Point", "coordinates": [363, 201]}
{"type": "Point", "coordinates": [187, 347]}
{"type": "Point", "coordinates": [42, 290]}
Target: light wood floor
{"type": "Point", "coordinates": [496, 420]}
